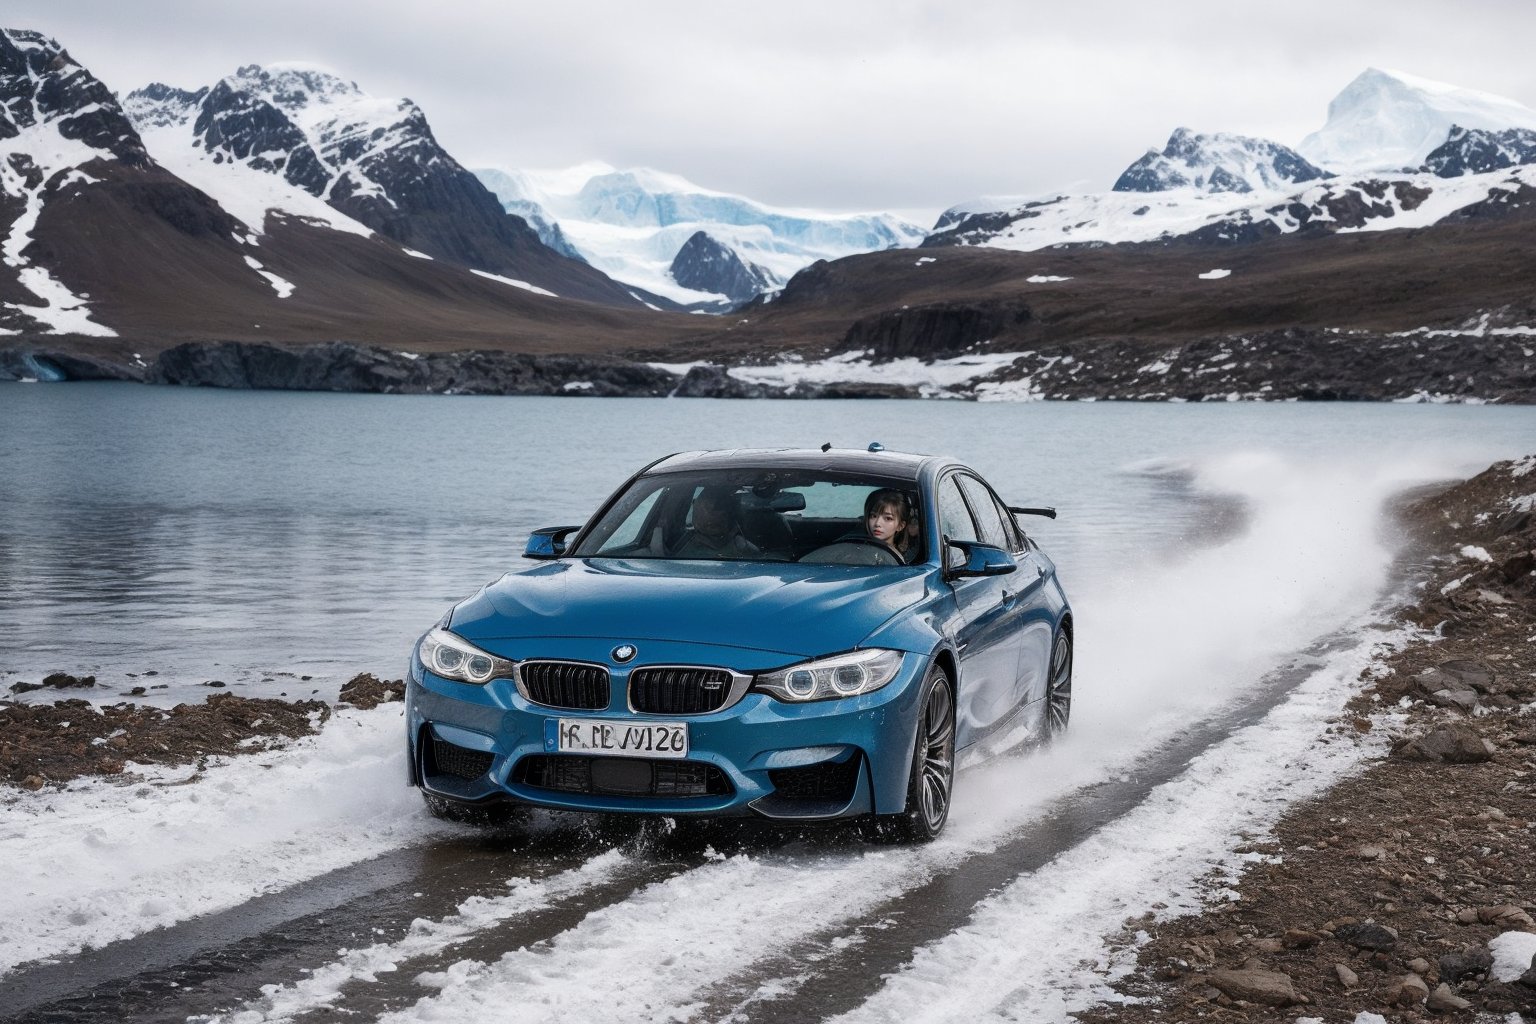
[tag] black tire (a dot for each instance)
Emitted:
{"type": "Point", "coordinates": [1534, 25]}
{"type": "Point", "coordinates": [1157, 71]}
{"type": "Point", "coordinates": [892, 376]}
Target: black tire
{"type": "Point", "coordinates": [931, 783]}
{"type": "Point", "coordinates": [1058, 689]}
{"type": "Point", "coordinates": [487, 814]}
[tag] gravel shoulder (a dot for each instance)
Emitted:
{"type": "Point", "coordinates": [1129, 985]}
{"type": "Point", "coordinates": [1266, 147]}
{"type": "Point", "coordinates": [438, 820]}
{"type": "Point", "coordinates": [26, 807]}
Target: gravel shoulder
{"type": "Point", "coordinates": [1409, 890]}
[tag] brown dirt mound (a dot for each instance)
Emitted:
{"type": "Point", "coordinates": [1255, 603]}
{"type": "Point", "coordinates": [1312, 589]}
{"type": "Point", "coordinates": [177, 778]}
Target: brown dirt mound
{"type": "Point", "coordinates": [367, 690]}
{"type": "Point", "coordinates": [50, 744]}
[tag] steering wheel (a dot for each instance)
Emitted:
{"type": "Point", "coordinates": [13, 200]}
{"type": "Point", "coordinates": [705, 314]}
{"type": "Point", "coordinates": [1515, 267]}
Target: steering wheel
{"type": "Point", "coordinates": [852, 551]}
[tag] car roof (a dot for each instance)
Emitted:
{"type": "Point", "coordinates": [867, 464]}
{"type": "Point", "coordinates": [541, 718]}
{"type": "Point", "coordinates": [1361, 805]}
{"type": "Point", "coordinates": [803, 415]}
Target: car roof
{"type": "Point", "coordinates": [900, 465]}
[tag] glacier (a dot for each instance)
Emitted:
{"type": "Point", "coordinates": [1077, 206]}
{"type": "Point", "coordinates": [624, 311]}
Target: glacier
{"type": "Point", "coordinates": [1391, 121]}
{"type": "Point", "coordinates": [631, 223]}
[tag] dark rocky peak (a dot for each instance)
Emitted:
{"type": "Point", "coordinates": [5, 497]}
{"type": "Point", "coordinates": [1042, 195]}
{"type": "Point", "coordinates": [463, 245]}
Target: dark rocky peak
{"type": "Point", "coordinates": [706, 265]}
{"type": "Point", "coordinates": [41, 84]}
{"type": "Point", "coordinates": [1480, 150]}
{"type": "Point", "coordinates": [245, 127]}
{"type": "Point", "coordinates": [296, 87]}
{"type": "Point", "coordinates": [1217, 162]}
{"type": "Point", "coordinates": [158, 105]}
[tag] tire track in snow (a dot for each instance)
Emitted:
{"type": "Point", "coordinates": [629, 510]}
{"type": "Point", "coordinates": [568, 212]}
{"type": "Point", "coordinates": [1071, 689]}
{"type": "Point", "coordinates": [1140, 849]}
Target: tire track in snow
{"type": "Point", "coordinates": [957, 948]}
{"type": "Point", "coordinates": [734, 939]}
{"type": "Point", "coordinates": [201, 967]}
{"type": "Point", "coordinates": [529, 904]}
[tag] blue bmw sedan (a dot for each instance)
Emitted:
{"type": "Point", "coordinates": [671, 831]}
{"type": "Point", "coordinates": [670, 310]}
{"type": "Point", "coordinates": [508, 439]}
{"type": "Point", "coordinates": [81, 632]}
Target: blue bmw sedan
{"type": "Point", "coordinates": [795, 635]}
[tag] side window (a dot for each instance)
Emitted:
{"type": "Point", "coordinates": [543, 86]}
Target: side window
{"type": "Point", "coordinates": [993, 530]}
{"type": "Point", "coordinates": [1014, 530]}
{"type": "Point", "coordinates": [954, 517]}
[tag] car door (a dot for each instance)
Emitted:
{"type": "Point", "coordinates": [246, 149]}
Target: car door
{"type": "Point", "coordinates": [984, 641]}
{"type": "Point", "coordinates": [1036, 620]}
{"type": "Point", "coordinates": [1019, 588]}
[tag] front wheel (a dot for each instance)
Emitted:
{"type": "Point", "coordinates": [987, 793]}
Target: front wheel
{"type": "Point", "coordinates": [931, 781]}
{"type": "Point", "coordinates": [1058, 695]}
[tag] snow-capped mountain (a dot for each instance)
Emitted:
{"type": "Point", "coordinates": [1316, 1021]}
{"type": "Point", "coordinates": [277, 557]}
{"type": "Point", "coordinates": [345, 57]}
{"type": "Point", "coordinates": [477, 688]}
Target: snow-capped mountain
{"type": "Point", "coordinates": [1224, 189]}
{"type": "Point", "coordinates": [108, 259]}
{"type": "Point", "coordinates": [1217, 162]}
{"type": "Point", "coordinates": [1391, 121]}
{"type": "Point", "coordinates": [1477, 151]}
{"type": "Point", "coordinates": [305, 142]}
{"type": "Point", "coordinates": [61, 131]}
{"type": "Point", "coordinates": [633, 224]}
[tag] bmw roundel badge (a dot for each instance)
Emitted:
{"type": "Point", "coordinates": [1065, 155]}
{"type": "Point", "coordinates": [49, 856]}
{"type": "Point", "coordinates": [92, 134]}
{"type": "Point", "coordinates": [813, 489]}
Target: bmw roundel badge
{"type": "Point", "coordinates": [624, 652]}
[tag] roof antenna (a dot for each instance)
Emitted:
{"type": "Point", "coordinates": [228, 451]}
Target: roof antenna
{"type": "Point", "coordinates": [876, 446]}
{"type": "Point", "coordinates": [827, 447]}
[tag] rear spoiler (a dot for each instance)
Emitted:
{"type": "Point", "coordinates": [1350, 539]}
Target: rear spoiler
{"type": "Point", "coordinates": [1049, 513]}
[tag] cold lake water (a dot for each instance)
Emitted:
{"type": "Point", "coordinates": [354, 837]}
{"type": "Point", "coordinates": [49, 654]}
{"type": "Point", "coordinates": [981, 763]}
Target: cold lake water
{"type": "Point", "coordinates": [257, 537]}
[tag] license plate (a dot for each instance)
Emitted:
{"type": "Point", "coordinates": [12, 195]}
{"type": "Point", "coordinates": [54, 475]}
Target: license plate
{"type": "Point", "coordinates": [620, 739]}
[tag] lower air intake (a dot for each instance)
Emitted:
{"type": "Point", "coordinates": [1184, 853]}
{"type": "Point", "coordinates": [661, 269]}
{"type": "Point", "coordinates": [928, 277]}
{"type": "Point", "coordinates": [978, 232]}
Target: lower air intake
{"type": "Point", "coordinates": [621, 776]}
{"type": "Point", "coordinates": [452, 759]}
{"type": "Point", "coordinates": [825, 781]}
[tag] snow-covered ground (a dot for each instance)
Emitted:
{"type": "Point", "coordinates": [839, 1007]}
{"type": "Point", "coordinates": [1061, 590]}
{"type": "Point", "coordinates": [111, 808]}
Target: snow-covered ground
{"type": "Point", "coordinates": [1166, 643]}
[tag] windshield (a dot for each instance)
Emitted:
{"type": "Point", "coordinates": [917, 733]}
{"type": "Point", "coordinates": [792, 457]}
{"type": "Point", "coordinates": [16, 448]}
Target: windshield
{"type": "Point", "coordinates": [776, 515]}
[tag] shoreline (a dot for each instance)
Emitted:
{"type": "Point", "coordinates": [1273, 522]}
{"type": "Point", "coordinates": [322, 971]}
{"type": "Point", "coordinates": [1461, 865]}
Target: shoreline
{"type": "Point", "coordinates": [1294, 364]}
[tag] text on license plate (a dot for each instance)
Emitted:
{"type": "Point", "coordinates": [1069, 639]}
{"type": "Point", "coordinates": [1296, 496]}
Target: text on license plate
{"type": "Point", "coordinates": [629, 739]}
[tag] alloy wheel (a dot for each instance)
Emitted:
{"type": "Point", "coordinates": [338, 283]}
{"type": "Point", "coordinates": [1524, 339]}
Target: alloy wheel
{"type": "Point", "coordinates": [1058, 704]}
{"type": "Point", "coordinates": [938, 753]}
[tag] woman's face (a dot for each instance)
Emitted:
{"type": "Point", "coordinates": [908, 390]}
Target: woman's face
{"type": "Point", "coordinates": [885, 524]}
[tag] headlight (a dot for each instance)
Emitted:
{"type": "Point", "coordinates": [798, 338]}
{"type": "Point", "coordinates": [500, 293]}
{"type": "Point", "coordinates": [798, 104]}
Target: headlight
{"type": "Point", "coordinates": [842, 675]}
{"type": "Point", "coordinates": [452, 657]}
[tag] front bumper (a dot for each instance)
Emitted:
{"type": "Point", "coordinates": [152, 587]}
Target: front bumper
{"type": "Point", "coordinates": [759, 756]}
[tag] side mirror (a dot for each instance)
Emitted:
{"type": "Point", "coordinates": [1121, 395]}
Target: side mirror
{"type": "Point", "coordinates": [548, 542]}
{"type": "Point", "coordinates": [980, 560]}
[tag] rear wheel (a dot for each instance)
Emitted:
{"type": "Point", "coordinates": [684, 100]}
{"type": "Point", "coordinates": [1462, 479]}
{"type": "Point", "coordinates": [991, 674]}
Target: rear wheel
{"type": "Point", "coordinates": [1058, 694]}
{"type": "Point", "coordinates": [931, 781]}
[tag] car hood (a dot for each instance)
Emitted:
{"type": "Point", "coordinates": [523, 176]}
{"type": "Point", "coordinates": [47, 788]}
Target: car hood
{"type": "Point", "coordinates": [800, 610]}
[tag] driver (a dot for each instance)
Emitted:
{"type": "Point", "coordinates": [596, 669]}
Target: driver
{"type": "Point", "coordinates": [716, 529]}
{"type": "Point", "coordinates": [888, 518]}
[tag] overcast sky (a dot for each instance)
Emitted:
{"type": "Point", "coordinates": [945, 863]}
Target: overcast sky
{"type": "Point", "coordinates": [832, 104]}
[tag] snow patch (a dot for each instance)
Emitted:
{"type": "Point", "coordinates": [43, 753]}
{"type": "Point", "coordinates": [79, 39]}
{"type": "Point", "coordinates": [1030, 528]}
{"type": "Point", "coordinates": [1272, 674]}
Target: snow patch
{"type": "Point", "coordinates": [124, 859]}
{"type": "Point", "coordinates": [932, 379]}
{"type": "Point", "coordinates": [1513, 954]}
{"type": "Point", "coordinates": [515, 283]}
{"type": "Point", "coordinates": [279, 285]}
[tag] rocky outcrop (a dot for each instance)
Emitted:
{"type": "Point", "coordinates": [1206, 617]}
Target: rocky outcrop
{"type": "Point", "coordinates": [931, 332]}
{"type": "Point", "coordinates": [1217, 163]}
{"type": "Point", "coordinates": [706, 265]}
{"type": "Point", "coordinates": [1477, 150]}
{"type": "Point", "coordinates": [247, 127]}
{"type": "Point", "coordinates": [1278, 365]}
{"type": "Point", "coordinates": [339, 366]}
